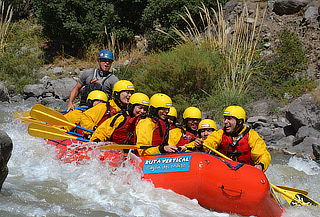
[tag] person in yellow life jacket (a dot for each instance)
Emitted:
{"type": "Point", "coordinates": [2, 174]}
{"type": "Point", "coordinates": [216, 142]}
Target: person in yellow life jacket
{"type": "Point", "coordinates": [205, 128]}
{"type": "Point", "coordinates": [121, 93]}
{"type": "Point", "coordinates": [153, 130]}
{"type": "Point", "coordinates": [94, 98]}
{"type": "Point", "coordinates": [181, 136]}
{"type": "Point", "coordinates": [95, 116]}
{"type": "Point", "coordinates": [172, 117]}
{"type": "Point", "coordinates": [119, 128]}
{"type": "Point", "coordinates": [238, 141]}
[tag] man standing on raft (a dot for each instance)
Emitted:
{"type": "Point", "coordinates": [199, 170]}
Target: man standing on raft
{"type": "Point", "coordinates": [238, 141]}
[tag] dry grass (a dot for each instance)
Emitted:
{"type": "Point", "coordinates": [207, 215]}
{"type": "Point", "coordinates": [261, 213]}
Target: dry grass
{"type": "Point", "coordinates": [5, 19]}
{"type": "Point", "coordinates": [237, 43]}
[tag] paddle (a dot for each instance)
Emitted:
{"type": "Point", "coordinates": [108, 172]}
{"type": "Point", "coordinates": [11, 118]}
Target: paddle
{"type": "Point", "coordinates": [79, 108]}
{"type": "Point", "coordinates": [38, 130]}
{"type": "Point", "coordinates": [291, 195]}
{"type": "Point", "coordinates": [52, 117]}
{"type": "Point", "coordinates": [46, 127]}
{"type": "Point", "coordinates": [47, 132]}
{"type": "Point", "coordinates": [21, 114]}
{"type": "Point", "coordinates": [294, 198]}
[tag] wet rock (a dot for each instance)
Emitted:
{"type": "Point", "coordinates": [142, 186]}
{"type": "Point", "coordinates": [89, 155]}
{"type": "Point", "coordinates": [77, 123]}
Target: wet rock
{"type": "Point", "coordinates": [5, 154]}
{"type": "Point", "coordinates": [4, 95]}
{"type": "Point", "coordinates": [316, 152]}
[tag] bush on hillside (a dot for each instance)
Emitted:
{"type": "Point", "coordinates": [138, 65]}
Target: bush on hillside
{"type": "Point", "coordinates": [22, 55]}
{"type": "Point", "coordinates": [186, 73]}
{"type": "Point", "coordinates": [284, 73]}
{"type": "Point", "coordinates": [75, 24]}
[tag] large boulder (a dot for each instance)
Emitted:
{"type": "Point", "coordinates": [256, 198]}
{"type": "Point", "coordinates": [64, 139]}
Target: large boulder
{"type": "Point", "coordinates": [287, 7]}
{"type": "Point", "coordinates": [304, 111]}
{"type": "Point", "coordinates": [33, 90]}
{"type": "Point", "coordinates": [59, 89]}
{"type": "Point", "coordinates": [5, 154]}
{"type": "Point", "coordinates": [63, 87]}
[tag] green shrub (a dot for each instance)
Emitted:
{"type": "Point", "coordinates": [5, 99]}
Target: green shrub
{"type": "Point", "coordinates": [22, 56]}
{"type": "Point", "coordinates": [75, 24]}
{"type": "Point", "coordinates": [187, 73]}
{"type": "Point", "coordinates": [284, 73]}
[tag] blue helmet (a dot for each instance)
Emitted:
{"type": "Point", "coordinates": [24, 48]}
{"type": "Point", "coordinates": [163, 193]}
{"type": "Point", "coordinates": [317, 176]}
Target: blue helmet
{"type": "Point", "coordinates": [106, 54]}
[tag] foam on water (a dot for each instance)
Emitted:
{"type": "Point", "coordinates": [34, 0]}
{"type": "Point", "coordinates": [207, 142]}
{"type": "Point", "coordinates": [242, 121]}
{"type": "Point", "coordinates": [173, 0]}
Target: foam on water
{"type": "Point", "coordinates": [40, 185]}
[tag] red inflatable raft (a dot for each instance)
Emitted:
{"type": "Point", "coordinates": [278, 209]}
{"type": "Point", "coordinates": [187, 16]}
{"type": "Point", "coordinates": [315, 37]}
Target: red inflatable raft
{"type": "Point", "coordinates": [216, 183]}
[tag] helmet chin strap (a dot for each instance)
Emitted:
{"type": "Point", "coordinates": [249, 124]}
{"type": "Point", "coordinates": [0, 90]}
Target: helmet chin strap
{"type": "Point", "coordinates": [239, 127]}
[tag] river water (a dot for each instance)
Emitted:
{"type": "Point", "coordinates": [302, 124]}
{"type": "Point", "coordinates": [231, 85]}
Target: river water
{"type": "Point", "coordinates": [40, 185]}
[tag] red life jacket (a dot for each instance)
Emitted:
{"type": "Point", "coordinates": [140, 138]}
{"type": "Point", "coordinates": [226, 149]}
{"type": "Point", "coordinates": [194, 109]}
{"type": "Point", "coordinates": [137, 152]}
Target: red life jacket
{"type": "Point", "coordinates": [160, 132]}
{"type": "Point", "coordinates": [122, 134]}
{"type": "Point", "coordinates": [238, 151]}
{"type": "Point", "coordinates": [186, 138]}
{"type": "Point", "coordinates": [109, 113]}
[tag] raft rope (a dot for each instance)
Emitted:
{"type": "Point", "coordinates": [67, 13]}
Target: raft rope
{"type": "Point", "coordinates": [236, 167]}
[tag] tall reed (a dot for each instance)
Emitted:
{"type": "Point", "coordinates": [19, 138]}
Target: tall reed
{"type": "Point", "coordinates": [5, 19]}
{"type": "Point", "coordinates": [237, 42]}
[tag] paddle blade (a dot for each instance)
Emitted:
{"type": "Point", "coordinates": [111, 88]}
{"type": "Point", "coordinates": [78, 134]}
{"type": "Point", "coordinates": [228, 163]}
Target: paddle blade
{"type": "Point", "coordinates": [293, 189]}
{"type": "Point", "coordinates": [38, 130]}
{"type": "Point", "coordinates": [21, 114]}
{"type": "Point", "coordinates": [49, 116]}
{"type": "Point", "coordinates": [294, 198]}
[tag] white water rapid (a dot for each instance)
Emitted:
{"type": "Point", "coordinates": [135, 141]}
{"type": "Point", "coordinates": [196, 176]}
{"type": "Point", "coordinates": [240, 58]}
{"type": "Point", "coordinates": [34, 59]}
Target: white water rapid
{"type": "Point", "coordinates": [40, 185]}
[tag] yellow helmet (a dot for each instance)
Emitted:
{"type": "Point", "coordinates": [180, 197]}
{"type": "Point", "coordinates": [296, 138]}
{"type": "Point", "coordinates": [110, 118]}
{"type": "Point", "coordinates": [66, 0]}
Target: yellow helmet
{"type": "Point", "coordinates": [97, 95]}
{"type": "Point", "coordinates": [139, 98]}
{"type": "Point", "coordinates": [160, 100]}
{"type": "Point", "coordinates": [192, 112]}
{"type": "Point", "coordinates": [173, 112]}
{"type": "Point", "coordinates": [235, 111]}
{"type": "Point", "coordinates": [207, 124]}
{"type": "Point", "coordinates": [123, 85]}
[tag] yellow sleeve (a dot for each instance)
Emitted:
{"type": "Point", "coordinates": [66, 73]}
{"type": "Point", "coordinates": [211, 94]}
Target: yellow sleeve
{"type": "Point", "coordinates": [190, 145]}
{"type": "Point", "coordinates": [144, 134]}
{"type": "Point", "coordinates": [213, 140]}
{"type": "Point", "coordinates": [259, 151]}
{"type": "Point", "coordinates": [91, 117]}
{"type": "Point", "coordinates": [113, 104]}
{"type": "Point", "coordinates": [174, 136]}
{"type": "Point", "coordinates": [105, 131]}
{"type": "Point", "coordinates": [73, 117]}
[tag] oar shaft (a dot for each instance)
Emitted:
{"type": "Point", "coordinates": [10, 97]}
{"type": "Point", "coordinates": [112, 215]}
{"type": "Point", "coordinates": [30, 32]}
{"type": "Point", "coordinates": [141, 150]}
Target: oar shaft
{"type": "Point", "coordinates": [217, 152]}
{"type": "Point", "coordinates": [80, 108]}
